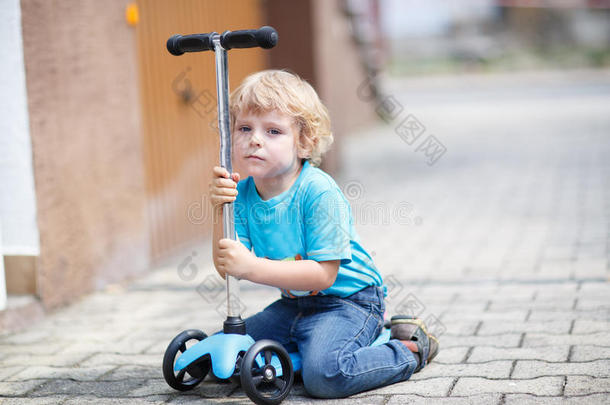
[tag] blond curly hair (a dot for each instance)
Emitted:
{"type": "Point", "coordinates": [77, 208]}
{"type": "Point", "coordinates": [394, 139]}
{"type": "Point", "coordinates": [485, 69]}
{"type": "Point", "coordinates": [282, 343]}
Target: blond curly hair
{"type": "Point", "coordinates": [286, 92]}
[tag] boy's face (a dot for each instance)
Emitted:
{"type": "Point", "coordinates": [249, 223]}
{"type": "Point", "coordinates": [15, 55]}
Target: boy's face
{"type": "Point", "coordinates": [265, 144]}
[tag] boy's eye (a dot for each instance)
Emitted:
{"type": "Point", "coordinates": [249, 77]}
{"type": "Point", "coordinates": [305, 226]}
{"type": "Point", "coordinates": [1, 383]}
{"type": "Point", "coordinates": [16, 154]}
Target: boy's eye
{"type": "Point", "coordinates": [271, 131]}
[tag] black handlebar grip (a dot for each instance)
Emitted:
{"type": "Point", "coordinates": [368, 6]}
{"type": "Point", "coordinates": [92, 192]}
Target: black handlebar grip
{"type": "Point", "coordinates": [178, 44]}
{"type": "Point", "coordinates": [265, 37]}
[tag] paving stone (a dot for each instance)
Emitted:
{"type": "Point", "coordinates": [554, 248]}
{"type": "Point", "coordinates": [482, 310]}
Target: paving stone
{"type": "Point", "coordinates": [438, 310]}
{"type": "Point", "coordinates": [541, 315]}
{"type": "Point", "coordinates": [161, 333]}
{"type": "Point", "coordinates": [481, 354]}
{"type": "Point", "coordinates": [72, 373]}
{"type": "Point", "coordinates": [50, 400]}
{"type": "Point", "coordinates": [556, 291]}
{"type": "Point", "coordinates": [525, 399]}
{"type": "Point", "coordinates": [596, 303]}
{"type": "Point", "coordinates": [509, 316]}
{"type": "Point", "coordinates": [365, 400]}
{"type": "Point", "coordinates": [193, 398]}
{"type": "Point", "coordinates": [438, 386]}
{"type": "Point", "coordinates": [519, 291]}
{"type": "Point", "coordinates": [452, 355]}
{"type": "Point", "coordinates": [7, 372]}
{"type": "Point", "coordinates": [579, 385]}
{"type": "Point", "coordinates": [33, 349]}
{"type": "Point", "coordinates": [588, 353]}
{"type": "Point", "coordinates": [29, 337]}
{"type": "Point", "coordinates": [212, 389]}
{"type": "Point", "coordinates": [491, 292]}
{"type": "Point", "coordinates": [493, 369]}
{"type": "Point", "coordinates": [493, 327]}
{"type": "Point", "coordinates": [467, 306]}
{"type": "Point", "coordinates": [583, 326]}
{"type": "Point", "coordinates": [591, 268]}
{"type": "Point", "coordinates": [158, 387]}
{"type": "Point", "coordinates": [539, 339]}
{"type": "Point", "coordinates": [103, 359]}
{"type": "Point", "coordinates": [45, 360]}
{"type": "Point", "coordinates": [302, 399]}
{"type": "Point", "coordinates": [482, 399]}
{"type": "Point", "coordinates": [130, 347]}
{"type": "Point", "coordinates": [84, 400]}
{"type": "Point", "coordinates": [105, 333]}
{"type": "Point", "coordinates": [13, 389]}
{"type": "Point", "coordinates": [565, 304]}
{"type": "Point", "coordinates": [158, 348]}
{"type": "Point", "coordinates": [534, 368]}
{"type": "Point", "coordinates": [427, 297]}
{"type": "Point", "coordinates": [539, 386]}
{"type": "Point", "coordinates": [458, 328]}
{"type": "Point", "coordinates": [594, 289]}
{"type": "Point", "coordinates": [505, 340]}
{"type": "Point", "coordinates": [132, 372]}
{"type": "Point", "coordinates": [98, 389]}
{"type": "Point", "coordinates": [556, 268]}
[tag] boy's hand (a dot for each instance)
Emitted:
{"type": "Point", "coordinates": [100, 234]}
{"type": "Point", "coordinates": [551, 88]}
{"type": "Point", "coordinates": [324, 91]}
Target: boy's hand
{"type": "Point", "coordinates": [234, 259]}
{"type": "Point", "coordinates": [224, 186]}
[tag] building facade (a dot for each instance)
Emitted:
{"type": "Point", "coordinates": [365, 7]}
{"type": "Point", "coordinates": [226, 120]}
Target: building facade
{"type": "Point", "coordinates": [107, 141]}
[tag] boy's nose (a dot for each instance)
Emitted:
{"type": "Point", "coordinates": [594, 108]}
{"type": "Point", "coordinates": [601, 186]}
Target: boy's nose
{"type": "Point", "coordinates": [255, 139]}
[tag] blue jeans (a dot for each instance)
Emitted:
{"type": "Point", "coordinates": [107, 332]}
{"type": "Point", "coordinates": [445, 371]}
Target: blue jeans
{"type": "Point", "coordinates": [333, 336]}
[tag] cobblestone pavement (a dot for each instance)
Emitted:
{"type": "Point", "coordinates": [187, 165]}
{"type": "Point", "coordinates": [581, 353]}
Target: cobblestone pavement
{"type": "Point", "coordinates": [502, 245]}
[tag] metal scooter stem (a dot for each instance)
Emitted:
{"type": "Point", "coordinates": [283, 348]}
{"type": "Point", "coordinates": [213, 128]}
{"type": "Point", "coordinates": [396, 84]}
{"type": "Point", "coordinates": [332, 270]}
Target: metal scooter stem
{"type": "Point", "coordinates": [233, 324]}
{"type": "Point", "coordinates": [266, 38]}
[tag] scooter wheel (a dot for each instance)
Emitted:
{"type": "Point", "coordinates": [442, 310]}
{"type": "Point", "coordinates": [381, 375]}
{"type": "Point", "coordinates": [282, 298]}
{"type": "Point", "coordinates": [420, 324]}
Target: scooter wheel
{"type": "Point", "coordinates": [192, 375]}
{"type": "Point", "coordinates": [263, 385]}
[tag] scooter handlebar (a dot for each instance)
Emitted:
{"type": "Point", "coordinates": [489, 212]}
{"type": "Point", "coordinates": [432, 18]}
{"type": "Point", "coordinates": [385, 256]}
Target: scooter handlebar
{"type": "Point", "coordinates": [178, 44]}
{"type": "Point", "coordinates": [265, 37]}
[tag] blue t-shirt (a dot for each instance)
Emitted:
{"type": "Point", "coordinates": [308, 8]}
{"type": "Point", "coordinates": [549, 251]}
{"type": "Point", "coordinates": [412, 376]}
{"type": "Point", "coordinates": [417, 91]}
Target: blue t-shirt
{"type": "Point", "coordinates": [311, 220]}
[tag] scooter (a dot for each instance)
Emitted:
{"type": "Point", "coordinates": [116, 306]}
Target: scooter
{"type": "Point", "coordinates": [264, 368]}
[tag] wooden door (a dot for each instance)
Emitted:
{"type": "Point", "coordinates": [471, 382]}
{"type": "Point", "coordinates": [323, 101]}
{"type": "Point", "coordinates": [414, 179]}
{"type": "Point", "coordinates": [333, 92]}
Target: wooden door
{"type": "Point", "coordinates": [178, 93]}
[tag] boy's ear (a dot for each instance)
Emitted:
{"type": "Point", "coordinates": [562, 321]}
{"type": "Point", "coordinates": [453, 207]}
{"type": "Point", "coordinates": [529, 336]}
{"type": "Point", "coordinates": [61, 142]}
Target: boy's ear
{"type": "Point", "coordinates": [303, 152]}
{"type": "Point", "coordinates": [306, 146]}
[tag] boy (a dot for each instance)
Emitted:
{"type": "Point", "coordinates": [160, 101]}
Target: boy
{"type": "Point", "coordinates": [299, 225]}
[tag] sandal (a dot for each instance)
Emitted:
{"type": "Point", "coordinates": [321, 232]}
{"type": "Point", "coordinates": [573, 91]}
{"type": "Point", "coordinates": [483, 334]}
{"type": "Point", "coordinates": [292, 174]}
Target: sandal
{"type": "Point", "coordinates": [406, 327]}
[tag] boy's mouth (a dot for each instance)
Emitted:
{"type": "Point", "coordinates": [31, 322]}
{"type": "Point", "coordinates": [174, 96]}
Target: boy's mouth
{"type": "Point", "coordinates": [254, 157]}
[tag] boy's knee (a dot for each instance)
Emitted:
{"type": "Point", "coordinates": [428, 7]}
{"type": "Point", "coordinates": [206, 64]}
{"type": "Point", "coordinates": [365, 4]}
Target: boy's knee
{"type": "Point", "coordinates": [322, 383]}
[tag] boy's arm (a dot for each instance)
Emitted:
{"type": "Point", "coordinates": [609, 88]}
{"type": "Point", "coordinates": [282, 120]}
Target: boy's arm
{"type": "Point", "coordinates": [302, 275]}
{"type": "Point", "coordinates": [234, 258]}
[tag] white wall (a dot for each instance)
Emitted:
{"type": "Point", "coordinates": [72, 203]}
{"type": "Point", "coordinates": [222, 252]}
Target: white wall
{"type": "Point", "coordinates": [2, 281]}
{"type": "Point", "coordinates": [17, 195]}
